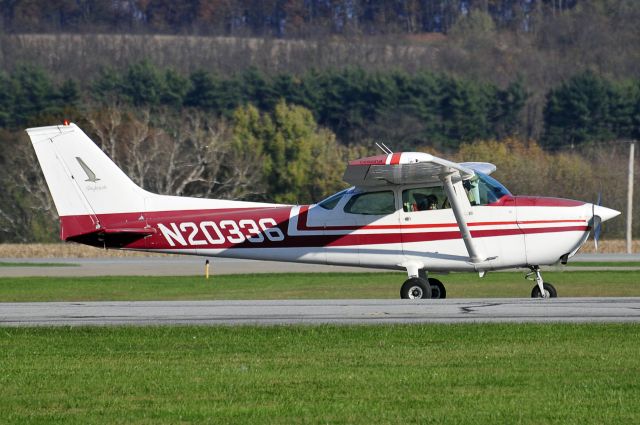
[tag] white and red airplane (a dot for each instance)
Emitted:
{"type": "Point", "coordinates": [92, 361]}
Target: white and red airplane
{"type": "Point", "coordinates": [406, 211]}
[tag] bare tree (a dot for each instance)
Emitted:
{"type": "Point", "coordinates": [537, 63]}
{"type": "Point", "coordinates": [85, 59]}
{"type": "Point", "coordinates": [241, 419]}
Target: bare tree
{"type": "Point", "coordinates": [26, 207]}
{"type": "Point", "coordinates": [188, 154]}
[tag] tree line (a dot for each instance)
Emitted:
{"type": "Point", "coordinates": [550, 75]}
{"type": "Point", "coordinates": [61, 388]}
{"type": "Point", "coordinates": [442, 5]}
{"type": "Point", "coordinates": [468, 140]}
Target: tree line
{"type": "Point", "coordinates": [275, 18]}
{"type": "Point", "coordinates": [278, 138]}
{"type": "Point", "coordinates": [359, 107]}
{"type": "Point", "coordinates": [282, 156]}
{"type": "Point", "coordinates": [562, 39]}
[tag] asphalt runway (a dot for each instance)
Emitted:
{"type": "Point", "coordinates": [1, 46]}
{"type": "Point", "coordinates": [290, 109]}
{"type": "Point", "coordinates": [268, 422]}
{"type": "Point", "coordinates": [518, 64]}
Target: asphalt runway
{"type": "Point", "coordinates": [315, 312]}
{"type": "Point", "coordinates": [173, 265]}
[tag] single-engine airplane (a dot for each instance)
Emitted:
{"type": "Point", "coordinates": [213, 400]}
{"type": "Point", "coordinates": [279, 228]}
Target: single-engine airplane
{"type": "Point", "coordinates": [406, 211]}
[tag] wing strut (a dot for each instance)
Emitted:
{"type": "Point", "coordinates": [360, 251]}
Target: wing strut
{"type": "Point", "coordinates": [462, 223]}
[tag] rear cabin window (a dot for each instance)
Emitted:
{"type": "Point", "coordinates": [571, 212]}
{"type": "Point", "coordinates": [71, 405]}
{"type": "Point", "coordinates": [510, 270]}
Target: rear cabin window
{"type": "Point", "coordinates": [371, 203]}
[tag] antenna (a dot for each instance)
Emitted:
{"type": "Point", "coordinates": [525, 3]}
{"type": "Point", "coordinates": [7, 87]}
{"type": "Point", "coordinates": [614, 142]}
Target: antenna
{"type": "Point", "coordinates": [384, 148]}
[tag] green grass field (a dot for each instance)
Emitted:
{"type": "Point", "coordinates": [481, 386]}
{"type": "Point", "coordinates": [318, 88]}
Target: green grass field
{"type": "Point", "coordinates": [305, 286]}
{"type": "Point", "coordinates": [441, 374]}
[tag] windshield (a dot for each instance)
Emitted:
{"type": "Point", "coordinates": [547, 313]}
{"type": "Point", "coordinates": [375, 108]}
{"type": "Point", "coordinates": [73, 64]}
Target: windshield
{"type": "Point", "coordinates": [483, 190]}
{"type": "Point", "coordinates": [331, 202]}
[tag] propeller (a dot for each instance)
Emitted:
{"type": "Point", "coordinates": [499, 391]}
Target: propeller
{"type": "Point", "coordinates": [596, 221]}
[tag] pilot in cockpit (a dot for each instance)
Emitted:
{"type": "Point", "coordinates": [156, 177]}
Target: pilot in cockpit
{"type": "Point", "coordinates": [425, 202]}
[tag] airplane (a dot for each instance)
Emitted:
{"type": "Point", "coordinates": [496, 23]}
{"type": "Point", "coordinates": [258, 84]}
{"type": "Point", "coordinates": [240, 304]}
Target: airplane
{"type": "Point", "coordinates": [408, 211]}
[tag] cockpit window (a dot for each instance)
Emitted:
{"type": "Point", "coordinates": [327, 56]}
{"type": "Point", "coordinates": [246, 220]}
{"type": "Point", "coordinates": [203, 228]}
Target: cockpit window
{"type": "Point", "coordinates": [484, 190]}
{"type": "Point", "coordinates": [424, 199]}
{"type": "Point", "coordinates": [333, 200]}
{"type": "Point", "coordinates": [371, 203]}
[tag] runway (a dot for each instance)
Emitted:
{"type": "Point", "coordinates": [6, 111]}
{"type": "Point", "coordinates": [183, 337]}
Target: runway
{"type": "Point", "coordinates": [316, 312]}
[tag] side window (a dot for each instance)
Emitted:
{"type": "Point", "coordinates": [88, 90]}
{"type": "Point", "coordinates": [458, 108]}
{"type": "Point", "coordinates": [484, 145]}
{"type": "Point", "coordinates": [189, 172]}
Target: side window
{"type": "Point", "coordinates": [371, 203]}
{"type": "Point", "coordinates": [424, 199]}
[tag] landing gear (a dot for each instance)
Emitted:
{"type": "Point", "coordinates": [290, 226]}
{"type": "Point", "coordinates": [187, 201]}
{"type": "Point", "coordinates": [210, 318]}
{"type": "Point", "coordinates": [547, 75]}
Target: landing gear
{"type": "Point", "coordinates": [422, 286]}
{"type": "Point", "coordinates": [549, 291]}
{"type": "Point", "coordinates": [541, 289]}
{"type": "Point", "coordinates": [415, 288]}
{"type": "Point", "coordinates": [437, 289]}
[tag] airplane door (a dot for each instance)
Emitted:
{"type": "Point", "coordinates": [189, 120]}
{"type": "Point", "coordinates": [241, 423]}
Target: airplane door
{"type": "Point", "coordinates": [429, 231]}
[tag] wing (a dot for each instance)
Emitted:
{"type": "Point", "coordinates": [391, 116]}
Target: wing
{"type": "Point", "coordinates": [408, 168]}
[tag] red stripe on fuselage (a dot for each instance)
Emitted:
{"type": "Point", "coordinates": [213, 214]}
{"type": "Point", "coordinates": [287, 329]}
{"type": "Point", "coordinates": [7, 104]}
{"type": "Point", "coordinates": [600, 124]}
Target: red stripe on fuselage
{"type": "Point", "coordinates": [74, 225]}
{"type": "Point", "coordinates": [303, 225]}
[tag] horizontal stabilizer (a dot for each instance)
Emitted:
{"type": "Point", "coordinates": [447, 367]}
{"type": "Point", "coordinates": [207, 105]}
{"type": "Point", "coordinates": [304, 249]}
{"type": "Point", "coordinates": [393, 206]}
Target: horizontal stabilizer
{"type": "Point", "coordinates": [112, 237]}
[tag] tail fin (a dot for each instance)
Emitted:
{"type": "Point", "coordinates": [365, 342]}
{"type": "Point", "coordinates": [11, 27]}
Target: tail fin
{"type": "Point", "coordinates": [84, 182]}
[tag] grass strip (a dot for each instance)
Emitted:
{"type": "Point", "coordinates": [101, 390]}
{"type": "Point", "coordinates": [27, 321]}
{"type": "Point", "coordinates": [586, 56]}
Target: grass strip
{"type": "Point", "coordinates": [444, 374]}
{"type": "Point", "coordinates": [304, 286]}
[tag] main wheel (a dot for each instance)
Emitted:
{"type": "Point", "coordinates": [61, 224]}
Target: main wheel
{"type": "Point", "coordinates": [415, 288]}
{"type": "Point", "coordinates": [549, 289]}
{"type": "Point", "coordinates": [437, 289]}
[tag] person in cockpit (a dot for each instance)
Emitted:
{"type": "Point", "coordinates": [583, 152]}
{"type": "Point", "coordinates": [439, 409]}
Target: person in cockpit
{"type": "Point", "coordinates": [425, 202]}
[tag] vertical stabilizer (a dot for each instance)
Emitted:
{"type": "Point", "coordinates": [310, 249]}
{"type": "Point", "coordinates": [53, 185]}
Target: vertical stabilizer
{"type": "Point", "coordinates": [84, 182]}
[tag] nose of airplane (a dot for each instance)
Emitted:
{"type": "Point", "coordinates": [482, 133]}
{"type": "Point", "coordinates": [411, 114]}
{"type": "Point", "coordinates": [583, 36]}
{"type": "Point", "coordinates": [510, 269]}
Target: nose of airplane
{"type": "Point", "coordinates": [605, 213]}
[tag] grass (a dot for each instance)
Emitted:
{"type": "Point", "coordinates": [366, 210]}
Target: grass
{"type": "Point", "coordinates": [36, 264]}
{"type": "Point", "coordinates": [304, 286]}
{"type": "Point", "coordinates": [444, 374]}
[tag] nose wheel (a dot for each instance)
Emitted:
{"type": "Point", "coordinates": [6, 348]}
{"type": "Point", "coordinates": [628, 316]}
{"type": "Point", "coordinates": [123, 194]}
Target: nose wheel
{"type": "Point", "coordinates": [549, 291]}
{"type": "Point", "coordinates": [541, 289]}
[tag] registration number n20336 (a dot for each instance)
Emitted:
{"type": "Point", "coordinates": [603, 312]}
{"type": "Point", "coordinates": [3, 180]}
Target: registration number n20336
{"type": "Point", "coordinates": [224, 231]}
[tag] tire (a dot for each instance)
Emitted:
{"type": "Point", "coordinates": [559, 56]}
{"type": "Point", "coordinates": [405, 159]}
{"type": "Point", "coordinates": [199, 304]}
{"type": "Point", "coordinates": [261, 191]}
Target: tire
{"type": "Point", "coordinates": [415, 288]}
{"type": "Point", "coordinates": [438, 290]}
{"type": "Point", "coordinates": [549, 289]}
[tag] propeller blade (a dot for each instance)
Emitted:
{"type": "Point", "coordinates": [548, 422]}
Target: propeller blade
{"type": "Point", "coordinates": [597, 229]}
{"type": "Point", "coordinates": [596, 221]}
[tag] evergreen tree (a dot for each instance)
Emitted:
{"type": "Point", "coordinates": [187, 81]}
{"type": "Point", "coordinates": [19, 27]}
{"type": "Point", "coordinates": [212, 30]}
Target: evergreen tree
{"type": "Point", "coordinates": [7, 93]}
{"type": "Point", "coordinates": [34, 95]}
{"type": "Point", "coordinates": [143, 84]}
{"type": "Point", "coordinates": [204, 91]}
{"type": "Point", "coordinates": [579, 111]}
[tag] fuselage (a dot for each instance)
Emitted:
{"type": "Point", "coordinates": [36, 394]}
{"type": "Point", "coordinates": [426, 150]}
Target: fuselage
{"type": "Point", "coordinates": [511, 231]}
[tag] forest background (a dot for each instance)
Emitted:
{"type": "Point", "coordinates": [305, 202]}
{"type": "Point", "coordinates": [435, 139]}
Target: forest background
{"type": "Point", "coordinates": [267, 100]}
